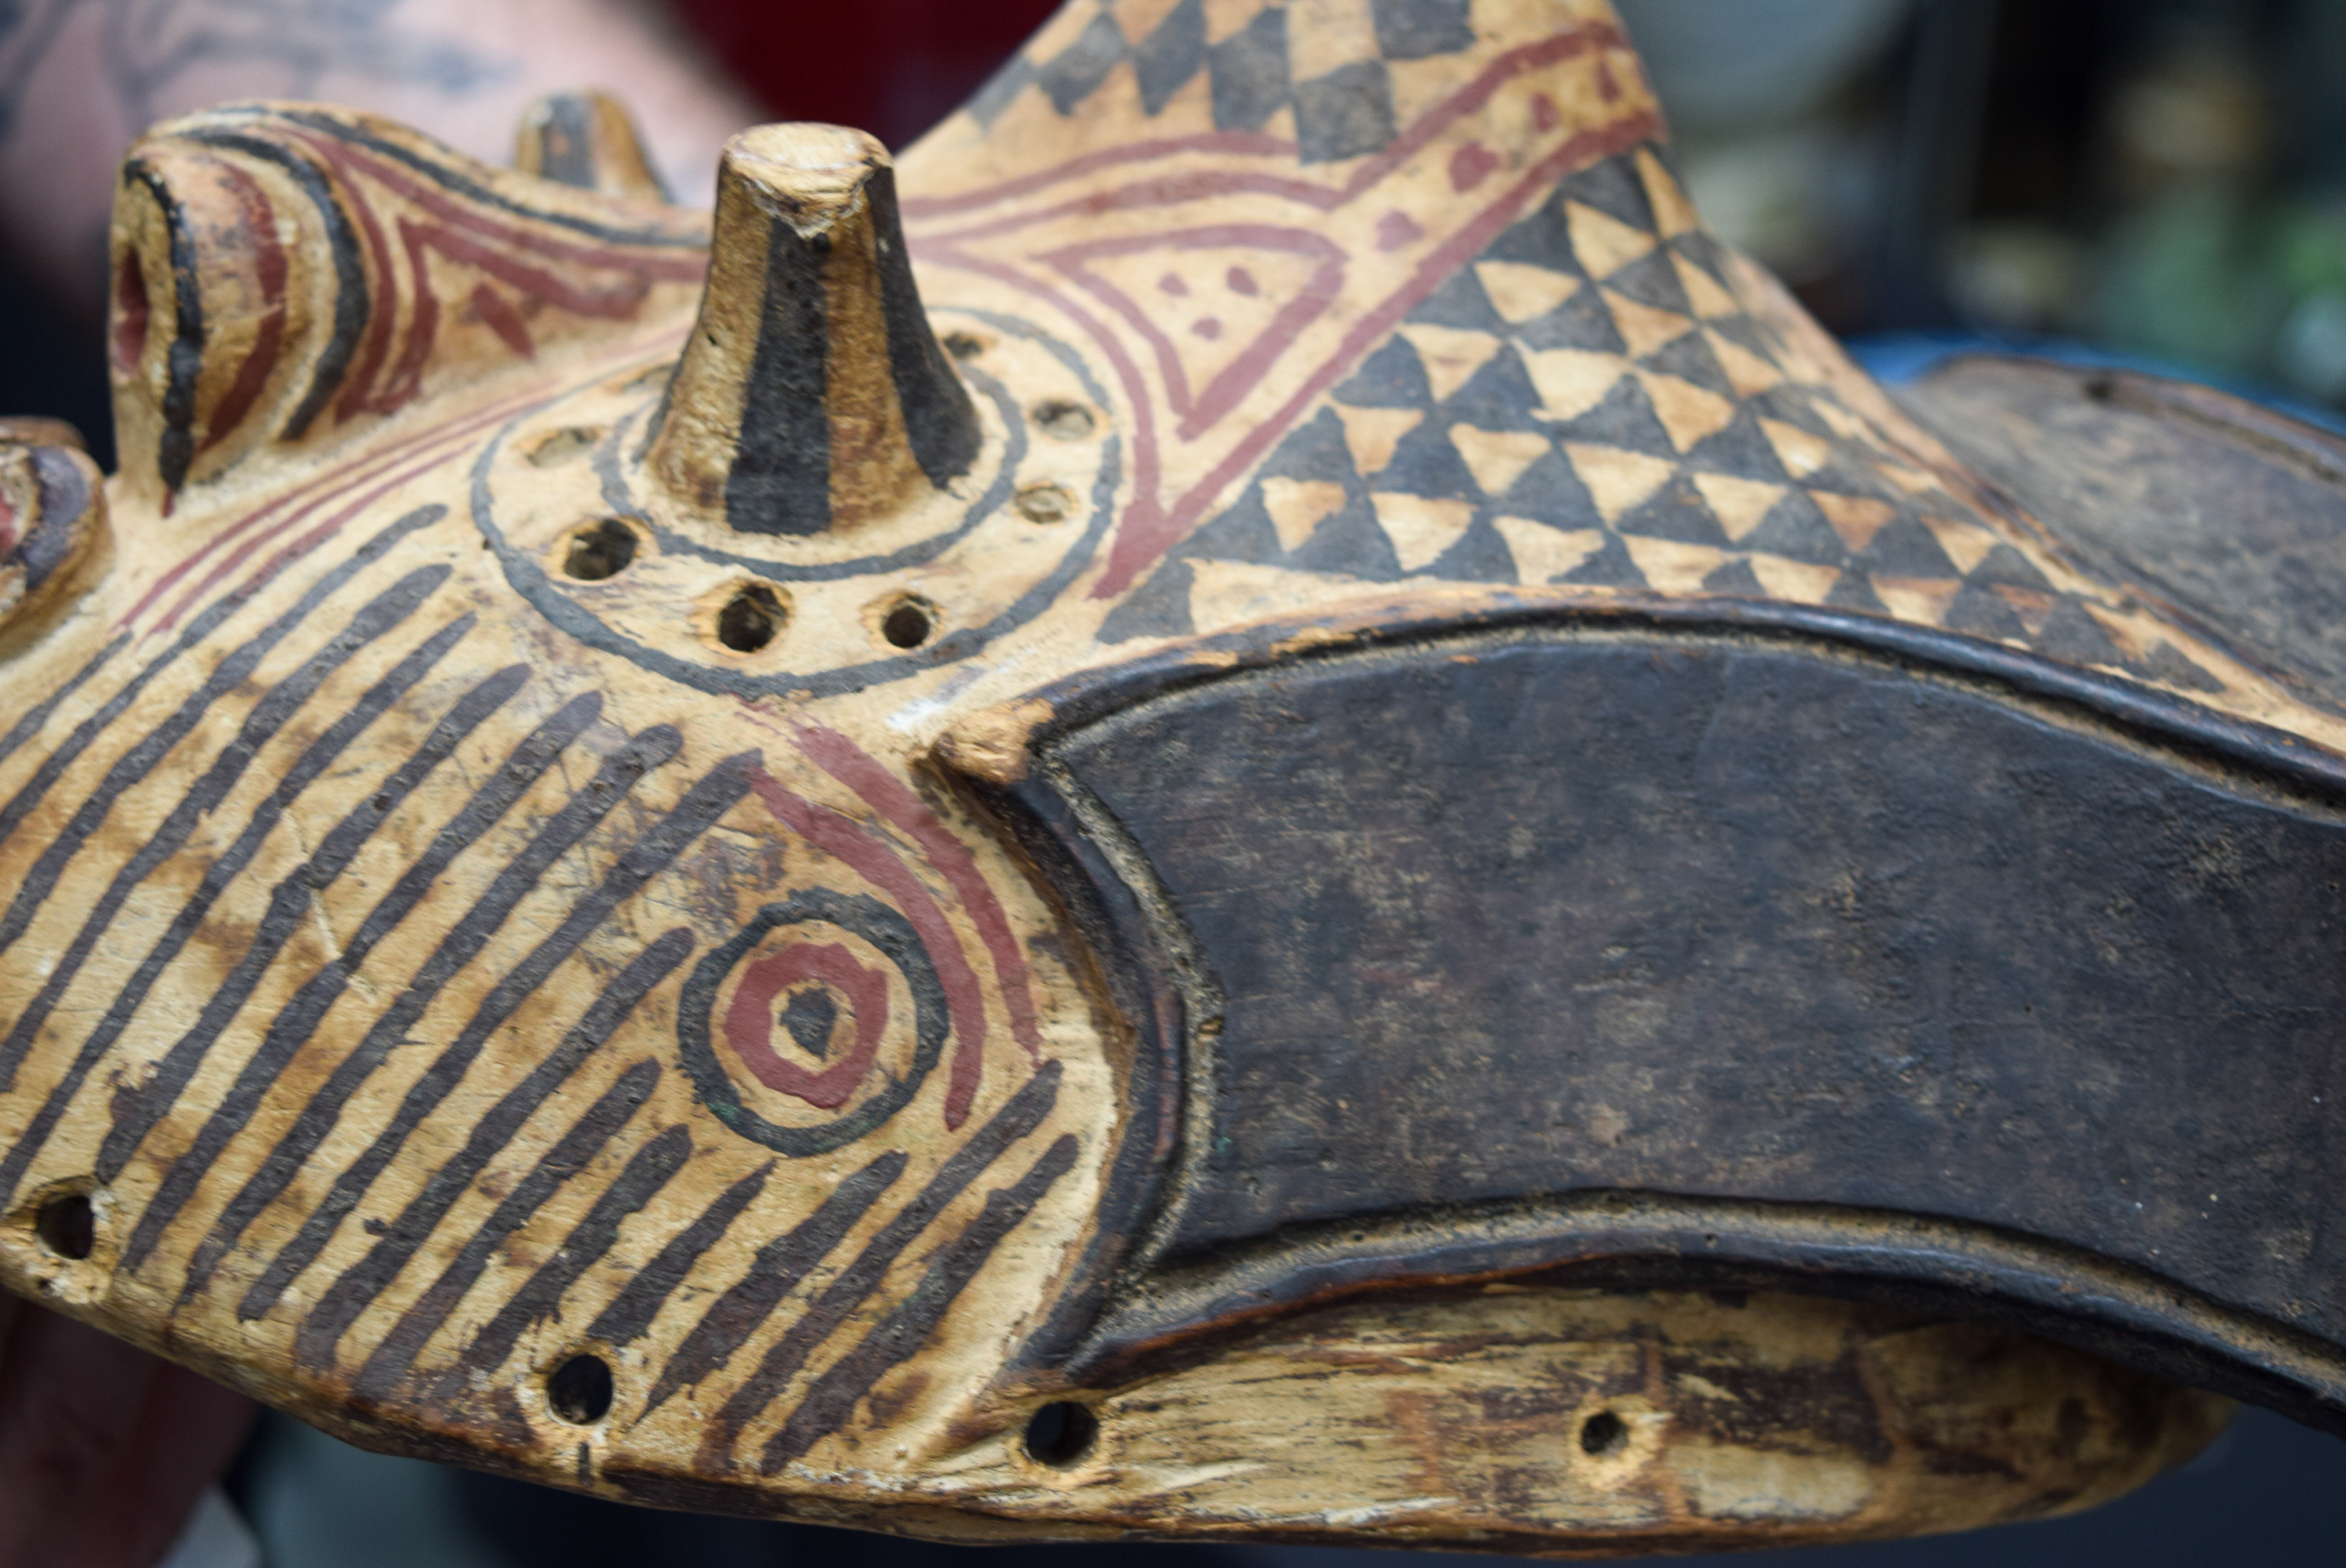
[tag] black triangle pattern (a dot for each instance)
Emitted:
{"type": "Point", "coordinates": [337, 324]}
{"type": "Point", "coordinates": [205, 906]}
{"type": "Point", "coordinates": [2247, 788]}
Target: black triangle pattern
{"type": "Point", "coordinates": [1852, 592]}
{"type": "Point", "coordinates": [1676, 511]}
{"type": "Point", "coordinates": [1501, 397]}
{"type": "Point", "coordinates": [1795, 529]}
{"type": "Point", "coordinates": [1249, 71]}
{"type": "Point", "coordinates": [1393, 377]}
{"type": "Point", "coordinates": [1736, 579]}
{"type": "Point", "coordinates": [1426, 463]}
{"type": "Point", "coordinates": [1551, 492]}
{"type": "Point", "coordinates": [1690, 359]}
{"type": "Point", "coordinates": [1740, 450]}
{"type": "Point", "coordinates": [1481, 555]}
{"type": "Point", "coordinates": [1315, 452]}
{"type": "Point", "coordinates": [1652, 281]}
{"type": "Point", "coordinates": [1460, 302]}
{"type": "Point", "coordinates": [1580, 323]}
{"type": "Point", "coordinates": [1615, 189]}
{"type": "Point", "coordinates": [1350, 541]}
{"type": "Point", "coordinates": [1610, 567]}
{"type": "Point", "coordinates": [1543, 239]}
{"type": "Point", "coordinates": [1905, 548]}
{"type": "Point", "coordinates": [1624, 419]}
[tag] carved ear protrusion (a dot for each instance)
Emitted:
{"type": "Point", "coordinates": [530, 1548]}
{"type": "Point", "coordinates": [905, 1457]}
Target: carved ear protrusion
{"type": "Point", "coordinates": [590, 141]}
{"type": "Point", "coordinates": [297, 273]}
{"type": "Point", "coordinates": [52, 518]}
{"type": "Point", "coordinates": [813, 397]}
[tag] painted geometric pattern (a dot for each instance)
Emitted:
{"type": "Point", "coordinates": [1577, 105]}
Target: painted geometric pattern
{"type": "Point", "coordinates": [1328, 62]}
{"type": "Point", "coordinates": [1589, 403]}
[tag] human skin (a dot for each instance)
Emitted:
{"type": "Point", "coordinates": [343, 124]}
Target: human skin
{"type": "Point", "coordinates": [104, 1449]}
{"type": "Point", "coordinates": [79, 79]}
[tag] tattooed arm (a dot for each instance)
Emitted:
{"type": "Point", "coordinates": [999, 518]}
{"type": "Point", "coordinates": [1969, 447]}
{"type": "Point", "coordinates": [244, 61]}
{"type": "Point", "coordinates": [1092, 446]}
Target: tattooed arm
{"type": "Point", "coordinates": [79, 78]}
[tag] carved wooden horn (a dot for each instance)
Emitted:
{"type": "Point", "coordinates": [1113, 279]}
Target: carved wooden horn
{"type": "Point", "coordinates": [813, 397]}
{"type": "Point", "coordinates": [1271, 813]}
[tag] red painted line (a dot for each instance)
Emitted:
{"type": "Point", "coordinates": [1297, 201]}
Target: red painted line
{"type": "Point", "coordinates": [270, 271]}
{"type": "Point", "coordinates": [1246, 143]}
{"type": "Point", "coordinates": [895, 801]}
{"type": "Point", "coordinates": [308, 542]}
{"type": "Point", "coordinates": [354, 473]}
{"type": "Point", "coordinates": [1144, 538]}
{"type": "Point", "coordinates": [1144, 456]}
{"type": "Point", "coordinates": [1515, 62]}
{"type": "Point", "coordinates": [749, 1022]}
{"type": "Point", "coordinates": [1169, 189]}
{"type": "Point", "coordinates": [1240, 376]}
{"type": "Point", "coordinates": [871, 859]}
{"type": "Point", "coordinates": [648, 260]}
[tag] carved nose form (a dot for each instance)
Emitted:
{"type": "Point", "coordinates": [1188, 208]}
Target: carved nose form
{"type": "Point", "coordinates": [813, 397]}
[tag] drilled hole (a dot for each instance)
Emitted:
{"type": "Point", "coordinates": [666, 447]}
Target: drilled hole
{"type": "Point", "coordinates": [908, 626]}
{"type": "Point", "coordinates": [750, 619]}
{"type": "Point", "coordinates": [1062, 421]}
{"type": "Point", "coordinates": [1061, 1434]}
{"type": "Point", "coordinates": [579, 1391]}
{"type": "Point", "coordinates": [1045, 504]}
{"type": "Point", "coordinates": [1604, 1433]}
{"type": "Point", "coordinates": [67, 1226]}
{"type": "Point", "coordinates": [962, 346]}
{"type": "Point", "coordinates": [563, 445]}
{"type": "Point", "coordinates": [599, 551]}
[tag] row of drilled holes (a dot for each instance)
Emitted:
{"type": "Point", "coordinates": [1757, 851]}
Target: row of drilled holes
{"type": "Point", "coordinates": [753, 617]}
{"type": "Point", "coordinates": [580, 1390]}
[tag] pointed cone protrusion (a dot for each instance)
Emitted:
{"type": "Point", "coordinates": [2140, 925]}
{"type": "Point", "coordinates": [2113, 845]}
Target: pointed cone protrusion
{"type": "Point", "coordinates": [590, 141]}
{"type": "Point", "coordinates": [813, 396]}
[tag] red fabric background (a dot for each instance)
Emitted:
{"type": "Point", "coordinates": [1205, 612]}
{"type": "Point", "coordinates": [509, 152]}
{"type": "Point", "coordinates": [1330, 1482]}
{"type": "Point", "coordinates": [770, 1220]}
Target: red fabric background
{"type": "Point", "coordinates": [893, 67]}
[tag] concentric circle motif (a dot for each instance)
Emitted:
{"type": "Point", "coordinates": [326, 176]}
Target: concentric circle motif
{"type": "Point", "coordinates": [814, 1025]}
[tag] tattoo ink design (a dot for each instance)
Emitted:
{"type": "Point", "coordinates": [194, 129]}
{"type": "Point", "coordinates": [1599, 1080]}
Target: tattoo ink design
{"type": "Point", "coordinates": [146, 46]}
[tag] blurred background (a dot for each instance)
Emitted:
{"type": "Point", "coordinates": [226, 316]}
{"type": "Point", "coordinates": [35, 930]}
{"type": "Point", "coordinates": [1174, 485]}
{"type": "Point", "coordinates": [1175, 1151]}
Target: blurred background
{"type": "Point", "coordinates": [2155, 182]}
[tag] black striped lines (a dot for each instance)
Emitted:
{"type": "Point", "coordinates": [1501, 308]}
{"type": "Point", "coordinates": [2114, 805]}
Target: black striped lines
{"type": "Point", "coordinates": [773, 1273]}
{"type": "Point", "coordinates": [648, 1169]}
{"type": "Point", "coordinates": [321, 754]}
{"type": "Point", "coordinates": [832, 1397]}
{"type": "Point", "coordinates": [151, 748]}
{"type": "Point", "coordinates": [618, 774]}
{"type": "Point", "coordinates": [135, 1110]}
{"type": "Point", "coordinates": [491, 1134]}
{"type": "Point", "coordinates": [710, 797]}
{"type": "Point", "coordinates": [597, 1127]}
{"type": "Point", "coordinates": [859, 1279]}
{"type": "Point", "coordinates": [136, 1113]}
{"type": "Point", "coordinates": [29, 723]}
{"type": "Point", "coordinates": [261, 725]}
{"type": "Point", "coordinates": [629, 1316]}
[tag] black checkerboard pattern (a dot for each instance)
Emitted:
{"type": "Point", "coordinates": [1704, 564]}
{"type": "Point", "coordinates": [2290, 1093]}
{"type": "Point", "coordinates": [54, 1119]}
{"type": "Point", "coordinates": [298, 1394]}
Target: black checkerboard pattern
{"type": "Point", "coordinates": [1341, 111]}
{"type": "Point", "coordinates": [1667, 461]}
